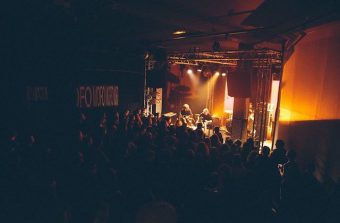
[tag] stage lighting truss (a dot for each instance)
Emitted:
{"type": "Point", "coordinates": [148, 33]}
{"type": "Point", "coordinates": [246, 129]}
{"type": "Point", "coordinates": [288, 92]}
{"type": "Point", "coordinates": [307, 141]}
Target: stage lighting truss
{"type": "Point", "coordinates": [259, 57]}
{"type": "Point", "coordinates": [266, 63]}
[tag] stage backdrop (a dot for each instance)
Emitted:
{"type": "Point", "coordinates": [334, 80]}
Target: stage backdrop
{"type": "Point", "coordinates": [310, 106]}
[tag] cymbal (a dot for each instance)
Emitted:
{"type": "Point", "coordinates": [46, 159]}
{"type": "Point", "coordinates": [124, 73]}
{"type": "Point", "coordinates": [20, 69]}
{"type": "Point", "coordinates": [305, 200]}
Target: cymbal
{"type": "Point", "coordinates": [170, 114]}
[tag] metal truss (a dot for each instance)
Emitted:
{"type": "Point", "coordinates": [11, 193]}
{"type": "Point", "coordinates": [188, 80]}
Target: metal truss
{"type": "Point", "coordinates": [260, 57]}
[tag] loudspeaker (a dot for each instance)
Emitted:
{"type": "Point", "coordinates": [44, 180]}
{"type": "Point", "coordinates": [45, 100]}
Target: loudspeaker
{"type": "Point", "coordinates": [239, 83]}
{"type": "Point", "coordinates": [155, 78]}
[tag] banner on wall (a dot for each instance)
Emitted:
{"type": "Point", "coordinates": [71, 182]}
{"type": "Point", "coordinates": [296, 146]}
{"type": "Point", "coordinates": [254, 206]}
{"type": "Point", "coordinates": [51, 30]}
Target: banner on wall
{"type": "Point", "coordinates": [36, 94]}
{"type": "Point", "coordinates": [158, 100]}
{"type": "Point", "coordinates": [97, 96]}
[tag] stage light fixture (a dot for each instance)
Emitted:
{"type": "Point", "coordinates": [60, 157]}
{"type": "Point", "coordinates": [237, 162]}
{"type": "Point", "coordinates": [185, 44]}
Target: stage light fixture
{"type": "Point", "coordinates": [189, 71]}
{"type": "Point", "coordinates": [179, 32]}
{"type": "Point", "coordinates": [217, 73]}
{"type": "Point", "coordinates": [199, 70]}
{"type": "Point", "coordinates": [224, 74]}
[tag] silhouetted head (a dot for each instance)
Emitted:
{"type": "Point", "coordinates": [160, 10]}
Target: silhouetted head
{"type": "Point", "coordinates": [199, 125]}
{"type": "Point", "coordinates": [237, 143]}
{"type": "Point", "coordinates": [265, 151]}
{"type": "Point", "coordinates": [280, 144]}
{"type": "Point", "coordinates": [215, 141]}
{"type": "Point", "coordinates": [250, 141]}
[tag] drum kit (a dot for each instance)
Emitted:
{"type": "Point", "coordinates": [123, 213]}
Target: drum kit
{"type": "Point", "coordinates": [195, 120]}
{"type": "Point", "coordinates": [207, 125]}
{"type": "Point", "coordinates": [182, 92]}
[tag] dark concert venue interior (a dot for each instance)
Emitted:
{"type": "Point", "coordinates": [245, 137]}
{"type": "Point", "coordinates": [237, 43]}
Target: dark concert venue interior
{"type": "Point", "coordinates": [168, 111]}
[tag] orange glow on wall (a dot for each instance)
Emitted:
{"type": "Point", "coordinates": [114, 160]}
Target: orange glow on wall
{"type": "Point", "coordinates": [310, 85]}
{"type": "Point", "coordinates": [310, 101]}
{"type": "Point", "coordinates": [288, 115]}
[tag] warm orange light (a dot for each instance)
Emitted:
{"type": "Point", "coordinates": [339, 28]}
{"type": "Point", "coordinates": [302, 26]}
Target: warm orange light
{"type": "Point", "coordinates": [310, 91]}
{"type": "Point", "coordinates": [217, 73]}
{"type": "Point", "coordinates": [287, 115]}
{"type": "Point", "coordinates": [189, 71]}
{"type": "Point", "coordinates": [179, 32]}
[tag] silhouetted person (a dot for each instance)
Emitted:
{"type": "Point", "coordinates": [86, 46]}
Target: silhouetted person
{"type": "Point", "coordinates": [268, 176]}
{"type": "Point", "coordinates": [199, 132]}
{"type": "Point", "coordinates": [218, 133]}
{"type": "Point", "coordinates": [278, 155]}
{"type": "Point", "coordinates": [290, 171]}
{"type": "Point", "coordinates": [215, 141]}
{"type": "Point", "coordinates": [291, 187]}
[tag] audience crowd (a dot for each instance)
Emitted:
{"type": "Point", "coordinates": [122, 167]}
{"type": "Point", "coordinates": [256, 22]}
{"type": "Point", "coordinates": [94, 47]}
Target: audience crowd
{"type": "Point", "coordinates": [133, 168]}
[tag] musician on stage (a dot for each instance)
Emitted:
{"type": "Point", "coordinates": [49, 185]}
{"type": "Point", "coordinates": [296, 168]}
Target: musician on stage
{"type": "Point", "coordinates": [206, 120]}
{"type": "Point", "coordinates": [205, 116]}
{"type": "Point", "coordinates": [187, 116]}
{"type": "Point", "coordinates": [186, 111]}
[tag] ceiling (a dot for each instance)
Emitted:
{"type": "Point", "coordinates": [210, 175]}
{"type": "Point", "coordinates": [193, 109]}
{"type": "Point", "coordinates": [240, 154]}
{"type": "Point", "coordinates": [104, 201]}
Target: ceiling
{"type": "Point", "coordinates": [58, 28]}
{"type": "Point", "coordinates": [114, 22]}
{"type": "Point", "coordinates": [152, 22]}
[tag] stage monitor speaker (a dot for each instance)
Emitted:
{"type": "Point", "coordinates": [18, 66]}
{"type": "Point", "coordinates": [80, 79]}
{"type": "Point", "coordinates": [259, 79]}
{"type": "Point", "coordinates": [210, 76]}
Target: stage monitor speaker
{"type": "Point", "coordinates": [239, 83]}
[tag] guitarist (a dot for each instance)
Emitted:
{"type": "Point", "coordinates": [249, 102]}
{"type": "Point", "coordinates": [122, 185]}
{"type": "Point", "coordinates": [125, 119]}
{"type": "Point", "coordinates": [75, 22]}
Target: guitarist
{"type": "Point", "coordinates": [187, 115]}
{"type": "Point", "coordinates": [205, 117]}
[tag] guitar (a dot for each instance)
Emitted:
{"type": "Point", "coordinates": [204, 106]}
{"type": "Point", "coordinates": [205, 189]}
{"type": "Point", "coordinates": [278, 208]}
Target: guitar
{"type": "Point", "coordinates": [187, 119]}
